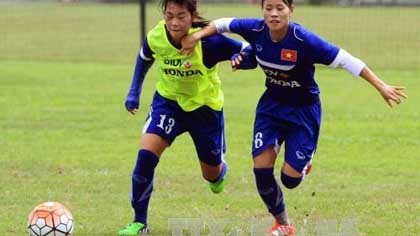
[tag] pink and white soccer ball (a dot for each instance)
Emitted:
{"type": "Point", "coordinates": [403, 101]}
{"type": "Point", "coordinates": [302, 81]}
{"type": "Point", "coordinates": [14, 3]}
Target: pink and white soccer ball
{"type": "Point", "coordinates": [50, 219]}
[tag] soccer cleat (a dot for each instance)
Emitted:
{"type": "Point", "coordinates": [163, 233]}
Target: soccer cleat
{"type": "Point", "coordinates": [217, 187]}
{"type": "Point", "coordinates": [134, 229]}
{"type": "Point", "coordinates": [282, 230]}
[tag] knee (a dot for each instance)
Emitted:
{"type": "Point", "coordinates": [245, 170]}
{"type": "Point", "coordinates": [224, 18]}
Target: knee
{"type": "Point", "coordinates": [290, 182]}
{"type": "Point", "coordinates": [146, 163]}
{"type": "Point", "coordinates": [265, 159]}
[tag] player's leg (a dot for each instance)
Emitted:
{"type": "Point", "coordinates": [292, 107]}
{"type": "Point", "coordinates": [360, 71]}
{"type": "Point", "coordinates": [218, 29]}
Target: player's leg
{"type": "Point", "coordinates": [300, 146]}
{"type": "Point", "coordinates": [160, 130]}
{"type": "Point", "coordinates": [268, 136]}
{"type": "Point", "coordinates": [266, 144]}
{"type": "Point", "coordinates": [270, 191]}
{"type": "Point", "coordinates": [152, 146]}
{"type": "Point", "coordinates": [267, 186]}
{"type": "Point", "coordinates": [206, 127]}
{"type": "Point", "coordinates": [215, 175]}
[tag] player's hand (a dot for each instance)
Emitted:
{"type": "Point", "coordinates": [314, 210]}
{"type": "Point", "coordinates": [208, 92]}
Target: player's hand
{"type": "Point", "coordinates": [132, 107]}
{"type": "Point", "coordinates": [236, 60]}
{"type": "Point", "coordinates": [188, 43]}
{"type": "Point", "coordinates": [392, 93]}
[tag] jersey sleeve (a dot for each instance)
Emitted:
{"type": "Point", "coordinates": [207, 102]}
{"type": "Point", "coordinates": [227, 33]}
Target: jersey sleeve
{"type": "Point", "coordinates": [143, 63]}
{"type": "Point", "coordinates": [348, 62]}
{"type": "Point", "coordinates": [217, 48]}
{"type": "Point", "coordinates": [248, 28]}
{"type": "Point", "coordinates": [321, 51]}
{"type": "Point", "coordinates": [146, 52]}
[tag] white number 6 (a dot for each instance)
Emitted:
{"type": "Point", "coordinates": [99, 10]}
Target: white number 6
{"type": "Point", "coordinates": [258, 140]}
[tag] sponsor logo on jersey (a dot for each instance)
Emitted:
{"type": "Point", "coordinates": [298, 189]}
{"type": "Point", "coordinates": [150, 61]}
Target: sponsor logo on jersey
{"type": "Point", "coordinates": [277, 78]}
{"type": "Point", "coordinates": [187, 65]}
{"type": "Point", "coordinates": [181, 73]}
{"type": "Point", "coordinates": [178, 63]}
{"type": "Point", "coordinates": [292, 84]}
{"type": "Point", "coordinates": [288, 55]}
{"type": "Point", "coordinates": [276, 74]}
{"type": "Point", "coordinates": [173, 62]}
{"type": "Point", "coordinates": [258, 47]}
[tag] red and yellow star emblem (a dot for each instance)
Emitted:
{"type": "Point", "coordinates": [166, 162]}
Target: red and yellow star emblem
{"type": "Point", "coordinates": [288, 55]}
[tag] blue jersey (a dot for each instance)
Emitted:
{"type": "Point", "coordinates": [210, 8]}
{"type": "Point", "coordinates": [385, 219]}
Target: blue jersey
{"type": "Point", "coordinates": [289, 63]}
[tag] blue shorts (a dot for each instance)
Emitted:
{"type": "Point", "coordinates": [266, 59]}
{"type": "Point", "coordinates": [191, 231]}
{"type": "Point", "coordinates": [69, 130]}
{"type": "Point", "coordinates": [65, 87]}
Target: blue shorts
{"type": "Point", "coordinates": [205, 126]}
{"type": "Point", "coordinates": [297, 126]}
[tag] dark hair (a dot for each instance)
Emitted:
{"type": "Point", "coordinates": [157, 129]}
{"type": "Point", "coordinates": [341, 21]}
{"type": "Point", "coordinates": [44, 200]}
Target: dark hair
{"type": "Point", "coordinates": [191, 5]}
{"type": "Point", "coordinates": [289, 3]}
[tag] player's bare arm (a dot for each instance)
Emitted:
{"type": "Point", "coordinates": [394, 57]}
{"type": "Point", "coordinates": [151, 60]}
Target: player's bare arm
{"type": "Point", "coordinates": [390, 93]}
{"type": "Point", "coordinates": [189, 41]}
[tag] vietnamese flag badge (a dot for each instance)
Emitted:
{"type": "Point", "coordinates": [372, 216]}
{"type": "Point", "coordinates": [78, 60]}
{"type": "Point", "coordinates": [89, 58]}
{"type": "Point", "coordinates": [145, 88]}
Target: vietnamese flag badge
{"type": "Point", "coordinates": [288, 55]}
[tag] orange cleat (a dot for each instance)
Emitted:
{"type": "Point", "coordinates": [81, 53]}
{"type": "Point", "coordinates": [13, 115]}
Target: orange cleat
{"type": "Point", "coordinates": [282, 230]}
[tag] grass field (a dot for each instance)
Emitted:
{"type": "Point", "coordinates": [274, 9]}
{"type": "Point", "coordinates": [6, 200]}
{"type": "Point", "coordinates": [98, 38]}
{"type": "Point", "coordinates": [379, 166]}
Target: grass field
{"type": "Point", "coordinates": [65, 134]}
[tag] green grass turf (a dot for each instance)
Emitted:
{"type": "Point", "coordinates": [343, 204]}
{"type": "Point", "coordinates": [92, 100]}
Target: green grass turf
{"type": "Point", "coordinates": [65, 134]}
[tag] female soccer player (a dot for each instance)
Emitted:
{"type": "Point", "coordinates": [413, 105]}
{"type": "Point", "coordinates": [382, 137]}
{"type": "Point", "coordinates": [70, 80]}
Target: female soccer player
{"type": "Point", "coordinates": [188, 99]}
{"type": "Point", "coordinates": [289, 110]}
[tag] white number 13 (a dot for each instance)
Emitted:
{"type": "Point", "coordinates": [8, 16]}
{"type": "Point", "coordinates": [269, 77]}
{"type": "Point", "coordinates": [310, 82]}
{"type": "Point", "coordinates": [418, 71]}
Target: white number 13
{"type": "Point", "coordinates": [168, 127]}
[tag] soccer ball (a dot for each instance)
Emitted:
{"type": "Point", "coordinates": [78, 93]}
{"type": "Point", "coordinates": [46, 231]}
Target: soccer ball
{"type": "Point", "coordinates": [50, 219]}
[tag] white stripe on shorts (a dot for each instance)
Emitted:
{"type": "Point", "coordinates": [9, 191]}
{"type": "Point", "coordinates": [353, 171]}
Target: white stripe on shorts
{"type": "Point", "coordinates": [146, 125]}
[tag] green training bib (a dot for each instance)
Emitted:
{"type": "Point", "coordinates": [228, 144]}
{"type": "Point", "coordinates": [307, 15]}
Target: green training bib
{"type": "Point", "coordinates": [184, 78]}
